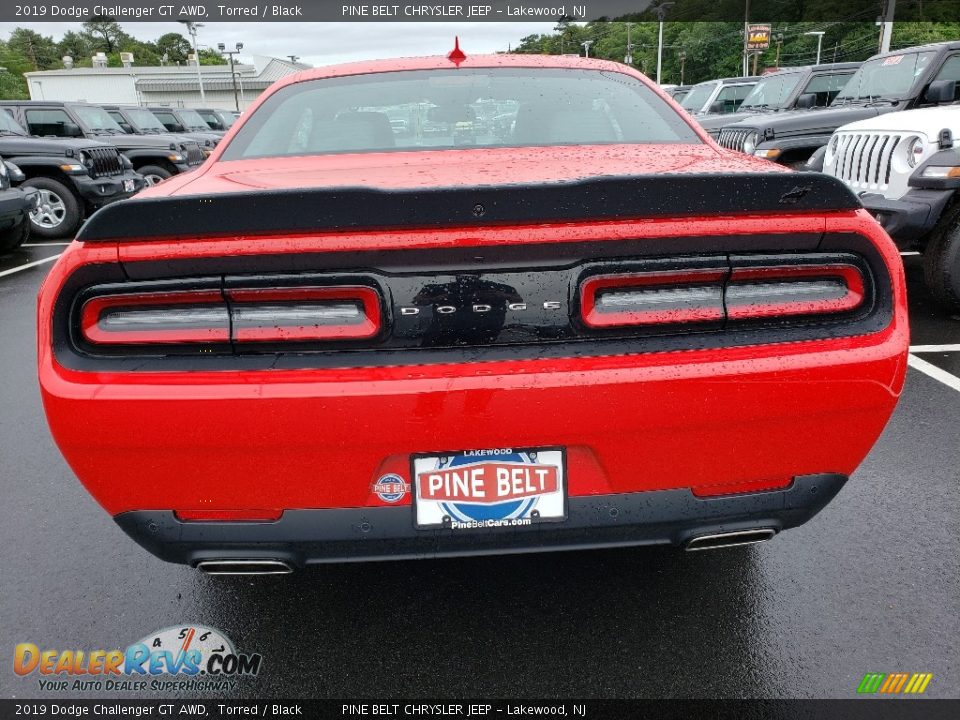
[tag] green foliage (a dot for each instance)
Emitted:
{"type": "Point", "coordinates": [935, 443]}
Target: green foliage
{"type": "Point", "coordinates": [211, 57]}
{"type": "Point", "coordinates": [176, 47]}
{"type": "Point", "coordinates": [27, 50]}
{"type": "Point", "coordinates": [707, 50]}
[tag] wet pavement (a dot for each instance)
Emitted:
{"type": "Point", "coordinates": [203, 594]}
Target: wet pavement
{"type": "Point", "coordinates": [872, 584]}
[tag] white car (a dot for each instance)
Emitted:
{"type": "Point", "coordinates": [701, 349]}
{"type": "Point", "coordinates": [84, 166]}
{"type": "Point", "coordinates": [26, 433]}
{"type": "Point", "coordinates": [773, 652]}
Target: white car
{"type": "Point", "coordinates": [905, 166]}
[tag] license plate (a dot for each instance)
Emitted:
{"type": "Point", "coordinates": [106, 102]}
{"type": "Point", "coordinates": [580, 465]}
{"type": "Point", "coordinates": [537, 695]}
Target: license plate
{"type": "Point", "coordinates": [128, 186]}
{"type": "Point", "coordinates": [505, 487]}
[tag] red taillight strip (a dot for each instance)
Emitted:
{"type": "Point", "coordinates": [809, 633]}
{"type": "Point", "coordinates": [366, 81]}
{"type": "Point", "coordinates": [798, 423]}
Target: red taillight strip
{"type": "Point", "coordinates": [682, 296]}
{"type": "Point", "coordinates": [133, 310]}
{"type": "Point", "coordinates": [776, 291]}
{"type": "Point", "coordinates": [279, 314]}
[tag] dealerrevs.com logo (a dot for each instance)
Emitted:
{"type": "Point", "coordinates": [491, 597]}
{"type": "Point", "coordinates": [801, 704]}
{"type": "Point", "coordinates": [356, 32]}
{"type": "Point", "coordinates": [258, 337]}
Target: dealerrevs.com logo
{"type": "Point", "coordinates": [179, 658]}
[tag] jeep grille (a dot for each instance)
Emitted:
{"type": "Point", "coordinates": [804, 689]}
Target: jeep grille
{"type": "Point", "coordinates": [863, 160]}
{"type": "Point", "coordinates": [104, 162]}
{"type": "Point", "coordinates": [733, 139]}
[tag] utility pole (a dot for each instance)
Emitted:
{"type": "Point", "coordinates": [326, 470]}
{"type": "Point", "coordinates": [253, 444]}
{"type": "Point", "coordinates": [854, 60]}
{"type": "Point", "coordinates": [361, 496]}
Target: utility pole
{"type": "Point", "coordinates": [233, 76]}
{"type": "Point", "coordinates": [661, 11]}
{"type": "Point", "coordinates": [628, 58]}
{"type": "Point", "coordinates": [779, 45]}
{"type": "Point", "coordinates": [683, 62]}
{"type": "Point", "coordinates": [886, 25]}
{"type": "Point", "coordinates": [192, 30]}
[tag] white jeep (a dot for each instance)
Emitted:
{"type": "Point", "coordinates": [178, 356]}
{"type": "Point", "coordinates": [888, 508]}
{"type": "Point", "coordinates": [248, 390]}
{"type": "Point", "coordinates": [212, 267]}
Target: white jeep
{"type": "Point", "coordinates": [905, 166]}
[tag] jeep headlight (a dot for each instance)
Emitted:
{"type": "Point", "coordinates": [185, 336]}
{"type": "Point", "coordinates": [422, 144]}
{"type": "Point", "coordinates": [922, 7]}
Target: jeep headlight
{"type": "Point", "coordinates": [750, 143]}
{"type": "Point", "coordinates": [175, 157]}
{"type": "Point", "coordinates": [914, 152]}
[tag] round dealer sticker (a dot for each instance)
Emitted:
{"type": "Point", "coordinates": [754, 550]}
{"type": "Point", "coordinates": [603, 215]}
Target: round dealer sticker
{"type": "Point", "coordinates": [391, 488]}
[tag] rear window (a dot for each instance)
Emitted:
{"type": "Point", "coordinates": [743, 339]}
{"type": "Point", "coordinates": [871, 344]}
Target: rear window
{"type": "Point", "coordinates": [443, 109]}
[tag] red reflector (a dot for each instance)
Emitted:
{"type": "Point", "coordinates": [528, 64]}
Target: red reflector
{"type": "Point", "coordinates": [739, 488]}
{"type": "Point", "coordinates": [228, 515]}
{"type": "Point", "coordinates": [652, 298]}
{"type": "Point", "coordinates": [308, 313]}
{"type": "Point", "coordinates": [763, 292]}
{"type": "Point", "coordinates": [194, 316]}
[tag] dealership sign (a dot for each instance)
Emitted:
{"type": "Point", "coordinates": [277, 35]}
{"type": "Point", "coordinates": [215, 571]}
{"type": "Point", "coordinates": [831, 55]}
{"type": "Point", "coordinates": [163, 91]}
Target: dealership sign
{"type": "Point", "coordinates": [758, 37]}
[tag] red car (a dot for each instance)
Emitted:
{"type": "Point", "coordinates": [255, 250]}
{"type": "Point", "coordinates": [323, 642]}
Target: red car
{"type": "Point", "coordinates": [447, 306]}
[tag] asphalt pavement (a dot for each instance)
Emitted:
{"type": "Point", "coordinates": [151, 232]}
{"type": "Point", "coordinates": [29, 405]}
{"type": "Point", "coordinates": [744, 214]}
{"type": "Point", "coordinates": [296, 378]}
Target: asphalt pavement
{"type": "Point", "coordinates": [872, 584]}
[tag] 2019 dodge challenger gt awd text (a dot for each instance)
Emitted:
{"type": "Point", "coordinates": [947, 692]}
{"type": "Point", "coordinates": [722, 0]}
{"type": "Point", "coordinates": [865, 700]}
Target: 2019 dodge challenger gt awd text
{"type": "Point", "coordinates": [462, 305]}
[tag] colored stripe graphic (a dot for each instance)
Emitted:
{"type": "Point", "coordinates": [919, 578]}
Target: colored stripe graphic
{"type": "Point", "coordinates": [894, 683]}
{"type": "Point", "coordinates": [871, 683]}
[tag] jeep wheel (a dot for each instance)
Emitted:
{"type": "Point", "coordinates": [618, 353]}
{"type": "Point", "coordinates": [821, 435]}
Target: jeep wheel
{"type": "Point", "coordinates": [59, 213]}
{"type": "Point", "coordinates": [154, 174]}
{"type": "Point", "coordinates": [14, 237]}
{"type": "Point", "coordinates": [941, 260]}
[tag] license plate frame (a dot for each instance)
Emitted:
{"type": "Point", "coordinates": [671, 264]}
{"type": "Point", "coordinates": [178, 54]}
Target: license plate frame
{"type": "Point", "coordinates": [494, 515]}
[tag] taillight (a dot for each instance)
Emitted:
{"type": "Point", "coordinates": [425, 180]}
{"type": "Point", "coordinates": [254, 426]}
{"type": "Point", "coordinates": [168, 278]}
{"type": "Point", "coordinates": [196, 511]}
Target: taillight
{"type": "Point", "coordinates": [712, 295]}
{"type": "Point", "coordinates": [304, 314]}
{"type": "Point", "coordinates": [239, 315]}
{"type": "Point", "coordinates": [766, 292]}
{"type": "Point", "coordinates": [652, 298]}
{"type": "Point", "coordinates": [193, 316]}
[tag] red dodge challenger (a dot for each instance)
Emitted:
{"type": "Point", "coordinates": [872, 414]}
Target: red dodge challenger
{"type": "Point", "coordinates": [459, 305]}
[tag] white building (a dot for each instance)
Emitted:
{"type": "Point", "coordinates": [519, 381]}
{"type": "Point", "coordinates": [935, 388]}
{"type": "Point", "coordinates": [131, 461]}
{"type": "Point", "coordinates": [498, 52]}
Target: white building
{"type": "Point", "coordinates": [168, 85]}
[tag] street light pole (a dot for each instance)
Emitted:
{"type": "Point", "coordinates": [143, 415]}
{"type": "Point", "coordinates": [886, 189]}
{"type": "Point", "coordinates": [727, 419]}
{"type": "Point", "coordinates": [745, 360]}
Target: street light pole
{"type": "Point", "coordinates": [819, 34]}
{"type": "Point", "coordinates": [661, 11]}
{"type": "Point", "coordinates": [192, 30]}
{"type": "Point", "coordinates": [886, 25]}
{"type": "Point", "coordinates": [233, 76]}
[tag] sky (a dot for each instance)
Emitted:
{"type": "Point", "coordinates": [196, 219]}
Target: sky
{"type": "Point", "coordinates": [328, 43]}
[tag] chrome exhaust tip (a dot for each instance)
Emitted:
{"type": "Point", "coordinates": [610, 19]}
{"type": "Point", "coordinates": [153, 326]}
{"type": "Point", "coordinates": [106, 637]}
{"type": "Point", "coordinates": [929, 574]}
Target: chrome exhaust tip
{"type": "Point", "coordinates": [244, 567]}
{"type": "Point", "coordinates": [730, 539]}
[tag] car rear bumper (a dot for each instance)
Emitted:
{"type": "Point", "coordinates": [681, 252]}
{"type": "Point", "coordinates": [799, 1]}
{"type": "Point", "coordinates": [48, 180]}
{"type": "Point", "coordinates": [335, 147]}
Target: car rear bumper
{"type": "Point", "coordinates": [302, 537]}
{"type": "Point", "coordinates": [911, 217]}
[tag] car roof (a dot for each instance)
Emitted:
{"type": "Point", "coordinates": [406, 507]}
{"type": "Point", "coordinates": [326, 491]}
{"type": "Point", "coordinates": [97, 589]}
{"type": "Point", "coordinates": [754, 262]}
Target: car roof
{"type": "Point", "coordinates": [732, 80]}
{"type": "Point", "coordinates": [948, 45]}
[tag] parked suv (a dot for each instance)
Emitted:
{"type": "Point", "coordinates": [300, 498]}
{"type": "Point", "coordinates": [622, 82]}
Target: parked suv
{"type": "Point", "coordinates": [797, 88]}
{"type": "Point", "coordinates": [922, 76]}
{"type": "Point", "coordinates": [73, 177]}
{"type": "Point", "coordinates": [16, 204]}
{"type": "Point", "coordinates": [135, 120]}
{"type": "Point", "coordinates": [718, 96]}
{"type": "Point", "coordinates": [218, 119]}
{"type": "Point", "coordinates": [906, 169]}
{"type": "Point", "coordinates": [153, 156]}
{"type": "Point", "coordinates": [181, 120]}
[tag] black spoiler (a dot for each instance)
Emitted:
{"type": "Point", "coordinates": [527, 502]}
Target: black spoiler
{"type": "Point", "coordinates": [361, 208]}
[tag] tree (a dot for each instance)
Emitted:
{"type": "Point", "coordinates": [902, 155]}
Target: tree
{"type": "Point", "coordinates": [76, 46]}
{"type": "Point", "coordinates": [104, 34]}
{"type": "Point", "coordinates": [39, 51]}
{"type": "Point", "coordinates": [209, 56]}
{"type": "Point", "coordinates": [175, 46]}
